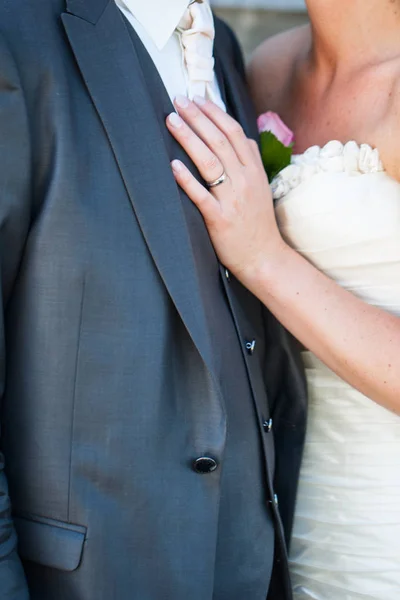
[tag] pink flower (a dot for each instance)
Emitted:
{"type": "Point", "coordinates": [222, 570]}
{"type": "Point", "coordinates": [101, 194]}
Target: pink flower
{"type": "Point", "coordinates": [270, 121]}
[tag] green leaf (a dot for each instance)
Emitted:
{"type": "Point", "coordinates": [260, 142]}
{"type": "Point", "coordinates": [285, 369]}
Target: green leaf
{"type": "Point", "coordinates": [275, 155]}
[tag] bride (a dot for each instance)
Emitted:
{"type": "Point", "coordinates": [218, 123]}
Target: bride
{"type": "Point", "coordinates": [325, 259]}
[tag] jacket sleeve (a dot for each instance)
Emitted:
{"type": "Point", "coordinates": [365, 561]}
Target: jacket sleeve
{"type": "Point", "coordinates": [15, 195]}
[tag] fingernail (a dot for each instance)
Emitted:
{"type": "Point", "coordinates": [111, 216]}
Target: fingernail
{"type": "Point", "coordinates": [175, 120]}
{"type": "Point", "coordinates": [176, 166]}
{"type": "Point", "coordinates": [182, 101]}
{"type": "Point", "coordinates": [199, 100]}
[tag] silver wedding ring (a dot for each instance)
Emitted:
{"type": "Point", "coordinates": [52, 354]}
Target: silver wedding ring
{"type": "Point", "coordinates": [218, 181]}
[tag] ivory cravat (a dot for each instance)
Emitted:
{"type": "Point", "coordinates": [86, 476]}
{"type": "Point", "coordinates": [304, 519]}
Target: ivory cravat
{"type": "Point", "coordinates": [156, 26]}
{"type": "Point", "coordinates": [196, 30]}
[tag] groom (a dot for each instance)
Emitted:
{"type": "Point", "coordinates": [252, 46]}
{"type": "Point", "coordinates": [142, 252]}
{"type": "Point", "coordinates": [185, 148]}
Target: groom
{"type": "Point", "coordinates": [139, 380]}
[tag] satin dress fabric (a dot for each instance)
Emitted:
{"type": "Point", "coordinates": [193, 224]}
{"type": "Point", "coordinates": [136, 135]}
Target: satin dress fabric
{"type": "Point", "coordinates": [339, 208]}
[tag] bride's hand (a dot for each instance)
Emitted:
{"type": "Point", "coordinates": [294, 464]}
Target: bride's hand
{"type": "Point", "coordinates": [239, 212]}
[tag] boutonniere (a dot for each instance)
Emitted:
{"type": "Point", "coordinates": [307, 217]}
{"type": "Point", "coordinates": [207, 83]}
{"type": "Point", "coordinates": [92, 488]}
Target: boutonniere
{"type": "Point", "coordinates": [276, 143]}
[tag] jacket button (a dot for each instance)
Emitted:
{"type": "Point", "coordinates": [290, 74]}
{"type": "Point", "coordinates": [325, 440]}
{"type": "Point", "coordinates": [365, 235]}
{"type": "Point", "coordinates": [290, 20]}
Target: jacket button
{"type": "Point", "coordinates": [267, 426]}
{"type": "Point", "coordinates": [227, 275]}
{"type": "Point", "coordinates": [204, 465]}
{"type": "Point", "coordinates": [250, 347]}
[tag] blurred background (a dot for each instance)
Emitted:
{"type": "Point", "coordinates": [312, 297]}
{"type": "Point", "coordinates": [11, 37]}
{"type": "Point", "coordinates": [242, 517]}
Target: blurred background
{"type": "Point", "coordinates": [254, 20]}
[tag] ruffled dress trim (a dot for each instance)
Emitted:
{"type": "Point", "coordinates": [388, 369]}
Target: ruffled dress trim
{"type": "Point", "coordinates": [334, 157]}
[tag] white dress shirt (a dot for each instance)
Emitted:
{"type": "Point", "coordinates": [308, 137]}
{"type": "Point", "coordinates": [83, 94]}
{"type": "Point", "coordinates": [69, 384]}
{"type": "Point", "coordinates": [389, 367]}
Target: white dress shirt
{"type": "Point", "coordinates": [155, 22]}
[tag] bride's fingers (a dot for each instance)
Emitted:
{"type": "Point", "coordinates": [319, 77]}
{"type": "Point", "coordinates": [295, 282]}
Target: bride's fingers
{"type": "Point", "coordinates": [208, 164]}
{"type": "Point", "coordinates": [205, 202]}
{"type": "Point", "coordinates": [255, 150]}
{"type": "Point", "coordinates": [229, 127]}
{"type": "Point", "coordinates": [209, 132]}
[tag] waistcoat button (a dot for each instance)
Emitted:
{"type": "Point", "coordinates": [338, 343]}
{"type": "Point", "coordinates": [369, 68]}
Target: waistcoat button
{"type": "Point", "coordinates": [250, 347]}
{"type": "Point", "coordinates": [204, 465]}
{"type": "Point", "coordinates": [267, 425]}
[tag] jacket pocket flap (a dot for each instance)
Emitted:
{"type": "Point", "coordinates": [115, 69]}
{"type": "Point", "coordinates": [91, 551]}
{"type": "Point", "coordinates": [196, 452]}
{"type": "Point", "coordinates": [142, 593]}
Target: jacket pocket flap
{"type": "Point", "coordinates": [50, 543]}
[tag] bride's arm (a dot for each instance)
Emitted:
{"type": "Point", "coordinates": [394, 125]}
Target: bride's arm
{"type": "Point", "coordinates": [359, 342]}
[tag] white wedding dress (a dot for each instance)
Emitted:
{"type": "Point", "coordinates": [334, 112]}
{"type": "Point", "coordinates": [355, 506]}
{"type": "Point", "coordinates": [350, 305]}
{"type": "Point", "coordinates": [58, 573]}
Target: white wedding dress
{"type": "Point", "coordinates": [339, 209]}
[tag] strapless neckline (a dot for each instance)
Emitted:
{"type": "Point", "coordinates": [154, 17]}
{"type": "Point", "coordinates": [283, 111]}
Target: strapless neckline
{"type": "Point", "coordinates": [334, 157]}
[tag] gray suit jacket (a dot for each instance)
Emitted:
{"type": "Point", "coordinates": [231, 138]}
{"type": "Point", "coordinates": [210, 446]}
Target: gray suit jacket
{"type": "Point", "coordinates": [103, 327]}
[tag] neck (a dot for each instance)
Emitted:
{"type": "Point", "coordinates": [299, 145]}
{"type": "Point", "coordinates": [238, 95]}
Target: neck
{"type": "Point", "coordinates": [360, 32]}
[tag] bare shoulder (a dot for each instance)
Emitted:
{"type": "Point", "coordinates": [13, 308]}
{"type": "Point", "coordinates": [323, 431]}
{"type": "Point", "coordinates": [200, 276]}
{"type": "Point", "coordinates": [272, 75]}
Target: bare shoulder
{"type": "Point", "coordinates": [272, 66]}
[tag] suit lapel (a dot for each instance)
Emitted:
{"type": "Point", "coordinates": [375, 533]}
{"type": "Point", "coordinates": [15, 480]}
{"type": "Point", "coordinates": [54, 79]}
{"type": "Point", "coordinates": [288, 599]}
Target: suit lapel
{"type": "Point", "coordinates": [106, 57]}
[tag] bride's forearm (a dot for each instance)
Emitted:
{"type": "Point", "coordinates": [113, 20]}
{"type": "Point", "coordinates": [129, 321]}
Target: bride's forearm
{"type": "Point", "coordinates": [361, 343]}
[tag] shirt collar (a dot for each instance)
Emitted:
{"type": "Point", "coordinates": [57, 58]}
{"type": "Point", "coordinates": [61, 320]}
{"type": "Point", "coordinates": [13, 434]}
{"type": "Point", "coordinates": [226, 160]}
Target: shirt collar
{"type": "Point", "coordinates": [159, 18]}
